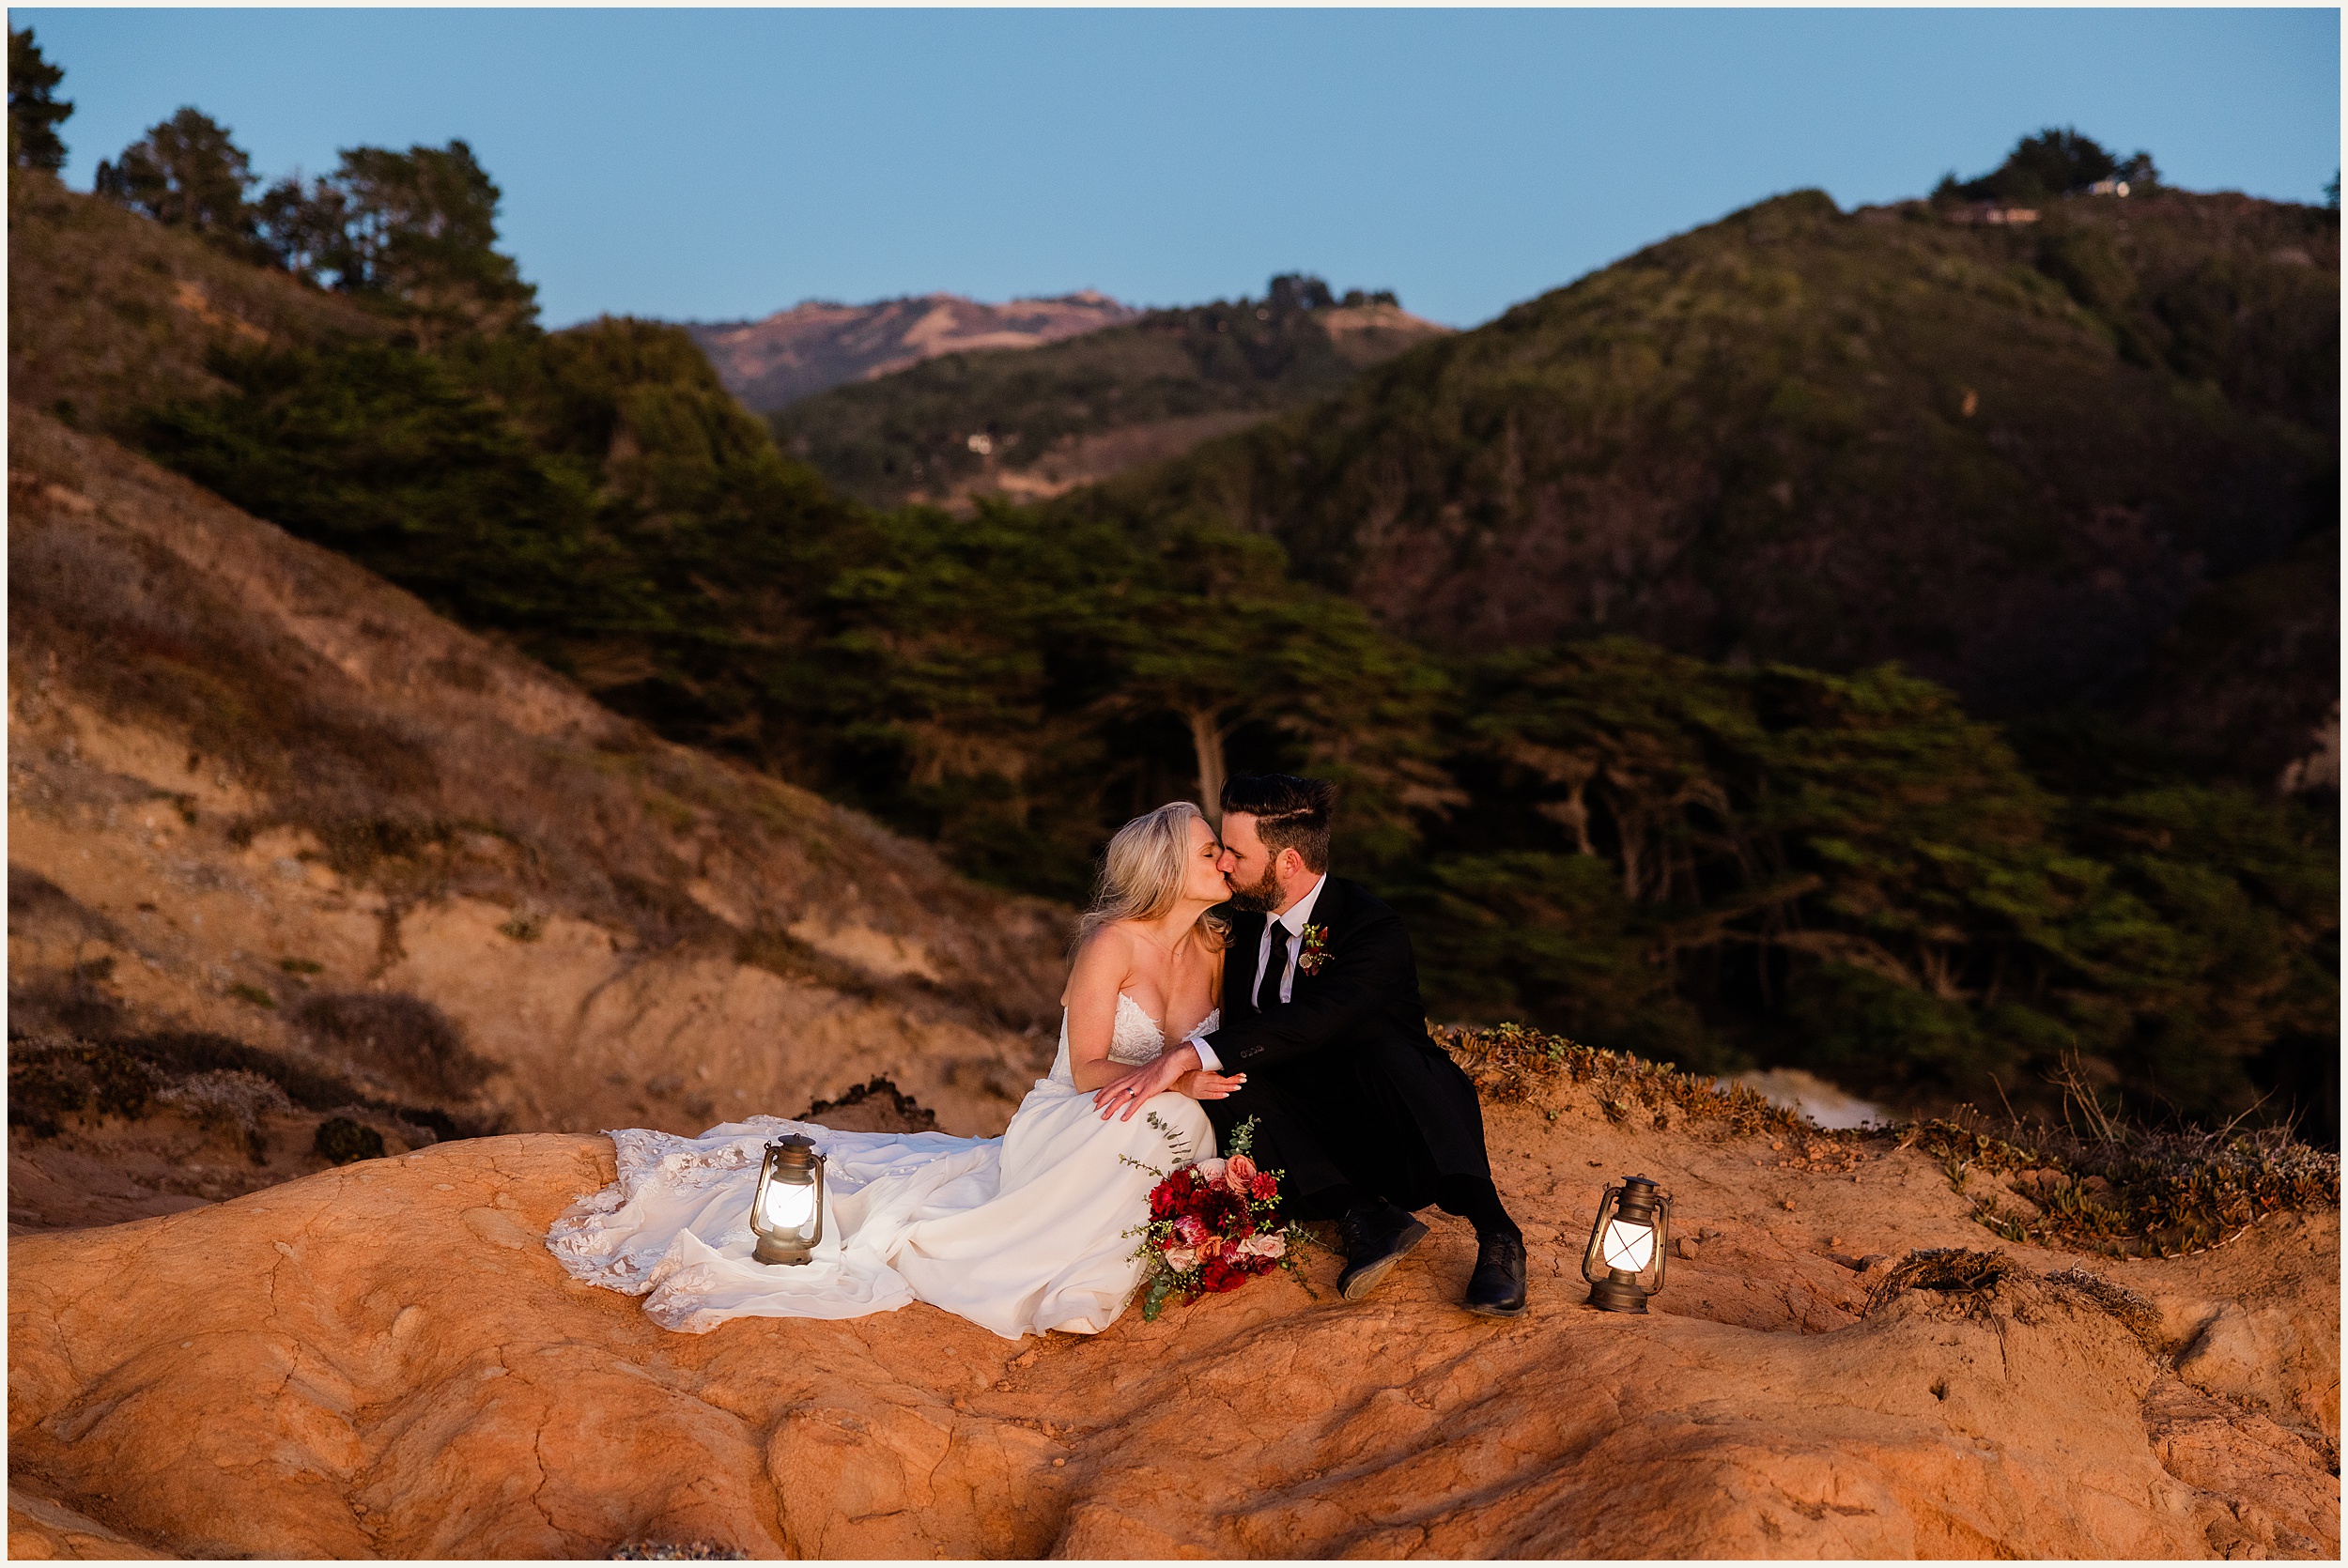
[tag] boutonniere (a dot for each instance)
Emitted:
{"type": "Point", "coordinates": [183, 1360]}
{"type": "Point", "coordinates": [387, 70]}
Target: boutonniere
{"type": "Point", "coordinates": [1314, 952]}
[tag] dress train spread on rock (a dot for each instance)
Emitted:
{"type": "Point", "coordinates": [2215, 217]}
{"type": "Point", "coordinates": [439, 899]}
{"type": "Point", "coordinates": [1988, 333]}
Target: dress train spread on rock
{"type": "Point", "coordinates": [1022, 1234]}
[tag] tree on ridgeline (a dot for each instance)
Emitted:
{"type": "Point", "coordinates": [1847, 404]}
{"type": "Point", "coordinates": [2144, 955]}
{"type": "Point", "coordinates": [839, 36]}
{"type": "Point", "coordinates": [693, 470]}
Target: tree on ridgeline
{"type": "Point", "coordinates": [411, 233]}
{"type": "Point", "coordinates": [2055, 163]}
{"type": "Point", "coordinates": [35, 110]}
{"type": "Point", "coordinates": [1297, 292]}
{"type": "Point", "coordinates": [303, 225]}
{"type": "Point", "coordinates": [187, 172]}
{"type": "Point", "coordinates": [2140, 171]}
{"type": "Point", "coordinates": [414, 230]}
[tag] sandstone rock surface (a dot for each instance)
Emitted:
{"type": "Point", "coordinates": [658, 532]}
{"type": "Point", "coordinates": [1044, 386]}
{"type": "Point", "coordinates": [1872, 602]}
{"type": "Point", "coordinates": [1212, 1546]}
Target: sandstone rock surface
{"type": "Point", "coordinates": [383, 1361]}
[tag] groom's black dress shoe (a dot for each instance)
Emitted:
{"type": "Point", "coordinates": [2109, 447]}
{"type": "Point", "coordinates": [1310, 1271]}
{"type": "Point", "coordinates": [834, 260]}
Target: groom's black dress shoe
{"type": "Point", "coordinates": [1496, 1288]}
{"type": "Point", "coordinates": [1376, 1237]}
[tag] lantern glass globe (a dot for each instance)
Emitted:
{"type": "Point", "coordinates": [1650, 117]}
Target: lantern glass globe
{"type": "Point", "coordinates": [787, 1205]}
{"type": "Point", "coordinates": [1628, 1246]}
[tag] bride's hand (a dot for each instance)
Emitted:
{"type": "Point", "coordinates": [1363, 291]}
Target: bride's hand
{"type": "Point", "coordinates": [1145, 1082]}
{"type": "Point", "coordinates": [1203, 1084]}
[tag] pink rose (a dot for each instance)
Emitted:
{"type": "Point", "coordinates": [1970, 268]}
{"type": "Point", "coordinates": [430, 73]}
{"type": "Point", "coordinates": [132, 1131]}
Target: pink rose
{"type": "Point", "coordinates": [1182, 1260]}
{"type": "Point", "coordinates": [1265, 1244]}
{"type": "Point", "coordinates": [1211, 1170]}
{"type": "Point", "coordinates": [1190, 1230]}
{"type": "Point", "coordinates": [1238, 1172]}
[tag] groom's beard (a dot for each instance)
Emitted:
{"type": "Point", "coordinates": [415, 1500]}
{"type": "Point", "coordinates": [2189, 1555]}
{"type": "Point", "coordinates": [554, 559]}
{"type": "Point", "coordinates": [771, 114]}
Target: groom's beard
{"type": "Point", "coordinates": [1261, 896]}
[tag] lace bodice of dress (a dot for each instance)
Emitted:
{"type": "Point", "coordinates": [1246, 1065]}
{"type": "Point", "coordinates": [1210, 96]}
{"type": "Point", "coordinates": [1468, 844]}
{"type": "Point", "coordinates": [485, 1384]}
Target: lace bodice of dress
{"type": "Point", "coordinates": [1136, 1039]}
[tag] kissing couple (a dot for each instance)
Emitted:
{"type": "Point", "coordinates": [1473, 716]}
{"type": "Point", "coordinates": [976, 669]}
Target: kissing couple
{"type": "Point", "coordinates": [1301, 1011]}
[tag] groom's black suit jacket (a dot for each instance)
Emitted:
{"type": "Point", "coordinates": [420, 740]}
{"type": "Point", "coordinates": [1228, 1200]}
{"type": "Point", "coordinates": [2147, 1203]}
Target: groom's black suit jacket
{"type": "Point", "coordinates": [1349, 1048]}
{"type": "Point", "coordinates": [1369, 984]}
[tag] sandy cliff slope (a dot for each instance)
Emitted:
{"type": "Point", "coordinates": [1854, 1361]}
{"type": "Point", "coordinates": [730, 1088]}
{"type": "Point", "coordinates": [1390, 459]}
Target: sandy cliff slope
{"type": "Point", "coordinates": [384, 1360]}
{"type": "Point", "coordinates": [256, 795]}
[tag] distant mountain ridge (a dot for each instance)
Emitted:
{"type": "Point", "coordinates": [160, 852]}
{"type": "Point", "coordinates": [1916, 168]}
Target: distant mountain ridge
{"type": "Point", "coordinates": [1034, 424]}
{"type": "Point", "coordinates": [771, 362]}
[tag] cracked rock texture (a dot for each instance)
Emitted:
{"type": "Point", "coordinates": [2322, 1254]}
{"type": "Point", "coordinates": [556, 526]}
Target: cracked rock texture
{"type": "Point", "coordinates": [384, 1360]}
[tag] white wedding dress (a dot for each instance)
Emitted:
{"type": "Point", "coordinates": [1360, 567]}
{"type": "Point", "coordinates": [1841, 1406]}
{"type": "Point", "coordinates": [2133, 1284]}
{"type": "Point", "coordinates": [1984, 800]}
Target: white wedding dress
{"type": "Point", "coordinates": [1021, 1234]}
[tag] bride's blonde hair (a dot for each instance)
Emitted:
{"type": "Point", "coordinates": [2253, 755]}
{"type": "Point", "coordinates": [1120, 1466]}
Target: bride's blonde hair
{"type": "Point", "coordinates": [1141, 874]}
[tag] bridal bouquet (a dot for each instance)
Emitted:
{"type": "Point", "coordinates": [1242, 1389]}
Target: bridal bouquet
{"type": "Point", "coordinates": [1213, 1226]}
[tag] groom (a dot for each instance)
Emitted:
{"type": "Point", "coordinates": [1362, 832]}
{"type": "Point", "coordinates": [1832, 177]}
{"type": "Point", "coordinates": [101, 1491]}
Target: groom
{"type": "Point", "coordinates": [1369, 1117]}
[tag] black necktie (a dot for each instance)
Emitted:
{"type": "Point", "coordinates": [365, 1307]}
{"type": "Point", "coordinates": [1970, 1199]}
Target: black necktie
{"type": "Point", "coordinates": [1275, 960]}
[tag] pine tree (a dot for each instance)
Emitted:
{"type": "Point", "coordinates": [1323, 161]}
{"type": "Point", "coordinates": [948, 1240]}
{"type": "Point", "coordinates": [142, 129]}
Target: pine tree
{"type": "Point", "coordinates": [422, 229]}
{"type": "Point", "coordinates": [188, 172]}
{"type": "Point", "coordinates": [34, 111]}
{"type": "Point", "coordinates": [413, 231]}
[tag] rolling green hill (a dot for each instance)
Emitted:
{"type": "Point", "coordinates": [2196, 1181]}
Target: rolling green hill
{"type": "Point", "coordinates": [1036, 422]}
{"type": "Point", "coordinates": [2008, 457]}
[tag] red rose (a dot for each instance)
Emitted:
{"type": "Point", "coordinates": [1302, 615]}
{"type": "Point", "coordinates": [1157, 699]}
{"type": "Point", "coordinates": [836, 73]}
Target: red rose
{"type": "Point", "coordinates": [1161, 1201]}
{"type": "Point", "coordinates": [1262, 1264]}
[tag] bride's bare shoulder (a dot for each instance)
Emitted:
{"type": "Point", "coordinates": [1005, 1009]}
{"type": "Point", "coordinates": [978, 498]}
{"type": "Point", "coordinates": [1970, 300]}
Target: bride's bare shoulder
{"type": "Point", "coordinates": [1115, 936]}
{"type": "Point", "coordinates": [1102, 962]}
{"type": "Point", "coordinates": [1109, 946]}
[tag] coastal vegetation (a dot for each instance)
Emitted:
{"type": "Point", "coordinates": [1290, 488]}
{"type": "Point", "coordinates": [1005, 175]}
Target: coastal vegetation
{"type": "Point", "coordinates": [1777, 801]}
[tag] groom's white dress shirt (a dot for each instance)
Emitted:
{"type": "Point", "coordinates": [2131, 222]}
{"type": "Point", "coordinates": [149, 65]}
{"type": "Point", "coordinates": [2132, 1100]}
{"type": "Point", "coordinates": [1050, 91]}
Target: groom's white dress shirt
{"type": "Point", "coordinates": [1298, 915]}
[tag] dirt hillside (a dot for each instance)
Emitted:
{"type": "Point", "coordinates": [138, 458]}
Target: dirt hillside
{"type": "Point", "coordinates": [285, 846]}
{"type": "Point", "coordinates": [383, 1361]}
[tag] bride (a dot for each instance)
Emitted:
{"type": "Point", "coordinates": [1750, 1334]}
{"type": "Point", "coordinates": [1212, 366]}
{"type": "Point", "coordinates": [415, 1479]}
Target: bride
{"type": "Point", "coordinates": [1022, 1234]}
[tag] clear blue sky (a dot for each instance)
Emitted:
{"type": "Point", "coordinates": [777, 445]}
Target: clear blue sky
{"type": "Point", "coordinates": [719, 164]}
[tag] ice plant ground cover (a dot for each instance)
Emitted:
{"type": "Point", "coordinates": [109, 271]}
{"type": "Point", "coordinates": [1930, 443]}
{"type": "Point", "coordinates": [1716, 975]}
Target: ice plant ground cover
{"type": "Point", "coordinates": [2095, 1180]}
{"type": "Point", "coordinates": [1214, 1224]}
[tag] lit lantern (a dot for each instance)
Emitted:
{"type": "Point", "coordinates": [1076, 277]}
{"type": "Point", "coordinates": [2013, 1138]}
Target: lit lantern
{"type": "Point", "coordinates": [1624, 1262]}
{"type": "Point", "coordinates": [787, 1215]}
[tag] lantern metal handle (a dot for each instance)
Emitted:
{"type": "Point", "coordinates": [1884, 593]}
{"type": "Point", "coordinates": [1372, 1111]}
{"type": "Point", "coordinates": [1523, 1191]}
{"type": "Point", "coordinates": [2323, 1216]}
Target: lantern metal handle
{"type": "Point", "coordinates": [1662, 1239]}
{"type": "Point", "coordinates": [1605, 1206]}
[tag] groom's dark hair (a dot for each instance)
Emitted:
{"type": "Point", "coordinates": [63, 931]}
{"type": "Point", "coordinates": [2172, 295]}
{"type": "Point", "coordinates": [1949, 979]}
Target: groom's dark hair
{"type": "Point", "coordinates": [1290, 813]}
